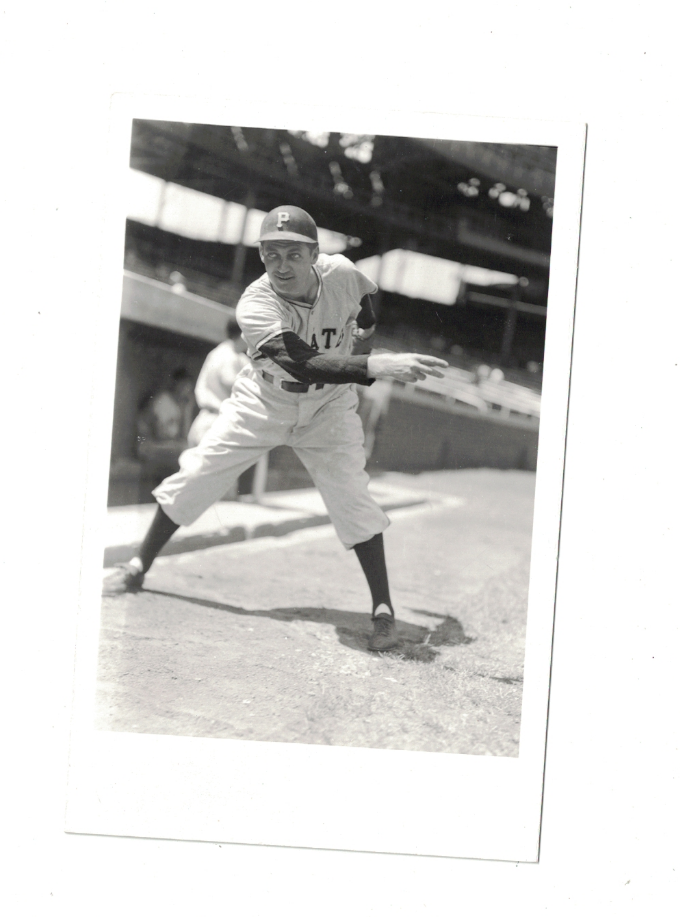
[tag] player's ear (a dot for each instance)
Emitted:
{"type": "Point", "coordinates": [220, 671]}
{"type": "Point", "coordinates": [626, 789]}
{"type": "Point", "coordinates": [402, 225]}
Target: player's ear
{"type": "Point", "coordinates": [261, 253]}
{"type": "Point", "coordinates": [315, 253]}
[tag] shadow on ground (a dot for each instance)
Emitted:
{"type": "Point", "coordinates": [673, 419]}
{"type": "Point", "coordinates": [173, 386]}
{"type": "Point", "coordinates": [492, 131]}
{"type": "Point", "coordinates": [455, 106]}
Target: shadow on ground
{"type": "Point", "coordinates": [416, 643]}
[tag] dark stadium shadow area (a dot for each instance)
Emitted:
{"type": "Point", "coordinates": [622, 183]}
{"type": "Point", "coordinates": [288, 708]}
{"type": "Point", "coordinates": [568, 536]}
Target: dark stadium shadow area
{"type": "Point", "coordinates": [416, 643]}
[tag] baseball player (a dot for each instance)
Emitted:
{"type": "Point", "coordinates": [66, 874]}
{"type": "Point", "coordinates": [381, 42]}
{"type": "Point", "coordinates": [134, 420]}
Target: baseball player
{"type": "Point", "coordinates": [216, 380]}
{"type": "Point", "coordinates": [303, 322]}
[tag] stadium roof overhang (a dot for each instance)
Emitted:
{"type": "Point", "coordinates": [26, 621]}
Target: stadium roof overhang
{"type": "Point", "coordinates": [429, 196]}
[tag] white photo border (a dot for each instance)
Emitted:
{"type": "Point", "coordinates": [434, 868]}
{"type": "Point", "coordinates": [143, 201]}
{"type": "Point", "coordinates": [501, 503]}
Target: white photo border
{"type": "Point", "coordinates": [249, 792]}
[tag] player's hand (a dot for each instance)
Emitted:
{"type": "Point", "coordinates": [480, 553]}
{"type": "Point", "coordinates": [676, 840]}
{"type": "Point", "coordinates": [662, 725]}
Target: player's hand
{"type": "Point", "coordinates": [362, 340]}
{"type": "Point", "coordinates": [404, 367]}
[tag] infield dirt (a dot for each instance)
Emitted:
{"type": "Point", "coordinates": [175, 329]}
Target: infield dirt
{"type": "Point", "coordinates": [267, 640]}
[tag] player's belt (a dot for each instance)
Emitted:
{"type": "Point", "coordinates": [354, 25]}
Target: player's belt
{"type": "Point", "coordinates": [299, 387]}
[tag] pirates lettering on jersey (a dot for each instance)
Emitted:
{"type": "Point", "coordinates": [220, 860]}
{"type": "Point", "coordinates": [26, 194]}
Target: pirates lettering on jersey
{"type": "Point", "coordinates": [329, 332]}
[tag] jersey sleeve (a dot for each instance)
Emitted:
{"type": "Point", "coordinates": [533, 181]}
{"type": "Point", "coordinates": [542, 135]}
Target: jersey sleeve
{"type": "Point", "coordinates": [366, 317]}
{"type": "Point", "coordinates": [261, 318]}
{"type": "Point", "coordinates": [359, 284]}
{"type": "Point", "coordinates": [304, 363]}
{"type": "Point", "coordinates": [354, 284]}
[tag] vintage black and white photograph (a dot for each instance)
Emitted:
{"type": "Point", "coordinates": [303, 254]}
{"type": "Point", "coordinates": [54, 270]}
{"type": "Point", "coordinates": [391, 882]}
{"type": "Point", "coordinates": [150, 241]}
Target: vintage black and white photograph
{"type": "Point", "coordinates": [322, 334]}
{"type": "Point", "coordinates": [324, 440]}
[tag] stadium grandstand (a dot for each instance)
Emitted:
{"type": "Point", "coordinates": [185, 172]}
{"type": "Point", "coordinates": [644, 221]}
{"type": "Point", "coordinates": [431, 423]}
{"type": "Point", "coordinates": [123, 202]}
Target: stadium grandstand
{"type": "Point", "coordinates": [456, 235]}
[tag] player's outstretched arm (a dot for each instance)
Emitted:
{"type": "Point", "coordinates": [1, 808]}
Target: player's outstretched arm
{"type": "Point", "coordinates": [306, 364]}
{"type": "Point", "coordinates": [404, 367]}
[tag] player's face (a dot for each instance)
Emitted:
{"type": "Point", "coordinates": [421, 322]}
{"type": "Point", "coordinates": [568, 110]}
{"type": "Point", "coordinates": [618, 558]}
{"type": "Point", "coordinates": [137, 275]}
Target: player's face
{"type": "Point", "coordinates": [289, 267]}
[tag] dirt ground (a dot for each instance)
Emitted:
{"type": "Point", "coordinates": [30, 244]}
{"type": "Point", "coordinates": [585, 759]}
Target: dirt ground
{"type": "Point", "coordinates": [267, 640]}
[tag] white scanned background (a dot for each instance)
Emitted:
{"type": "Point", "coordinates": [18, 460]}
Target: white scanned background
{"type": "Point", "coordinates": [610, 812]}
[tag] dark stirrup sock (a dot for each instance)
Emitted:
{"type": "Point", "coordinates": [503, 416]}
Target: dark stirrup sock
{"type": "Point", "coordinates": [371, 556]}
{"type": "Point", "coordinates": [160, 532]}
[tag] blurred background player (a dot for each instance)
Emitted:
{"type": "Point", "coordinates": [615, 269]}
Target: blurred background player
{"type": "Point", "coordinates": [213, 386]}
{"type": "Point", "coordinates": [303, 322]}
{"type": "Point", "coordinates": [216, 379]}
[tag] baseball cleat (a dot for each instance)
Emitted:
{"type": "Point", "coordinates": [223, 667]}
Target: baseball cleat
{"type": "Point", "coordinates": [123, 578]}
{"type": "Point", "coordinates": [384, 636]}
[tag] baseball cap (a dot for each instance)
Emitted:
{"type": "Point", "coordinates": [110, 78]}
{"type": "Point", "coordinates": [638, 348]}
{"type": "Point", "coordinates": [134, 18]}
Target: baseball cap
{"type": "Point", "coordinates": [288, 224]}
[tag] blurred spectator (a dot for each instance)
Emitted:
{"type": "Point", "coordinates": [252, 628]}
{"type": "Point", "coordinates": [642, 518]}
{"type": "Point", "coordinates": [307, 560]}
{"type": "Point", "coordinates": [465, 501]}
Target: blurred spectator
{"type": "Point", "coordinates": [162, 272]}
{"type": "Point", "coordinates": [215, 381]}
{"type": "Point", "coordinates": [482, 373]}
{"type": "Point", "coordinates": [533, 366]}
{"type": "Point", "coordinates": [163, 426]}
{"type": "Point", "coordinates": [496, 375]}
{"type": "Point", "coordinates": [177, 282]}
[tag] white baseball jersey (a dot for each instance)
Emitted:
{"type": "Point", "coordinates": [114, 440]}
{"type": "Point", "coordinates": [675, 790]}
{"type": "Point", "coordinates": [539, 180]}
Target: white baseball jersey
{"type": "Point", "coordinates": [214, 384]}
{"type": "Point", "coordinates": [217, 375]}
{"type": "Point", "coordinates": [325, 325]}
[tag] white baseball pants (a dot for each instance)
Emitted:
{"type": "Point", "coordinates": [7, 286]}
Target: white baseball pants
{"type": "Point", "coordinates": [323, 428]}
